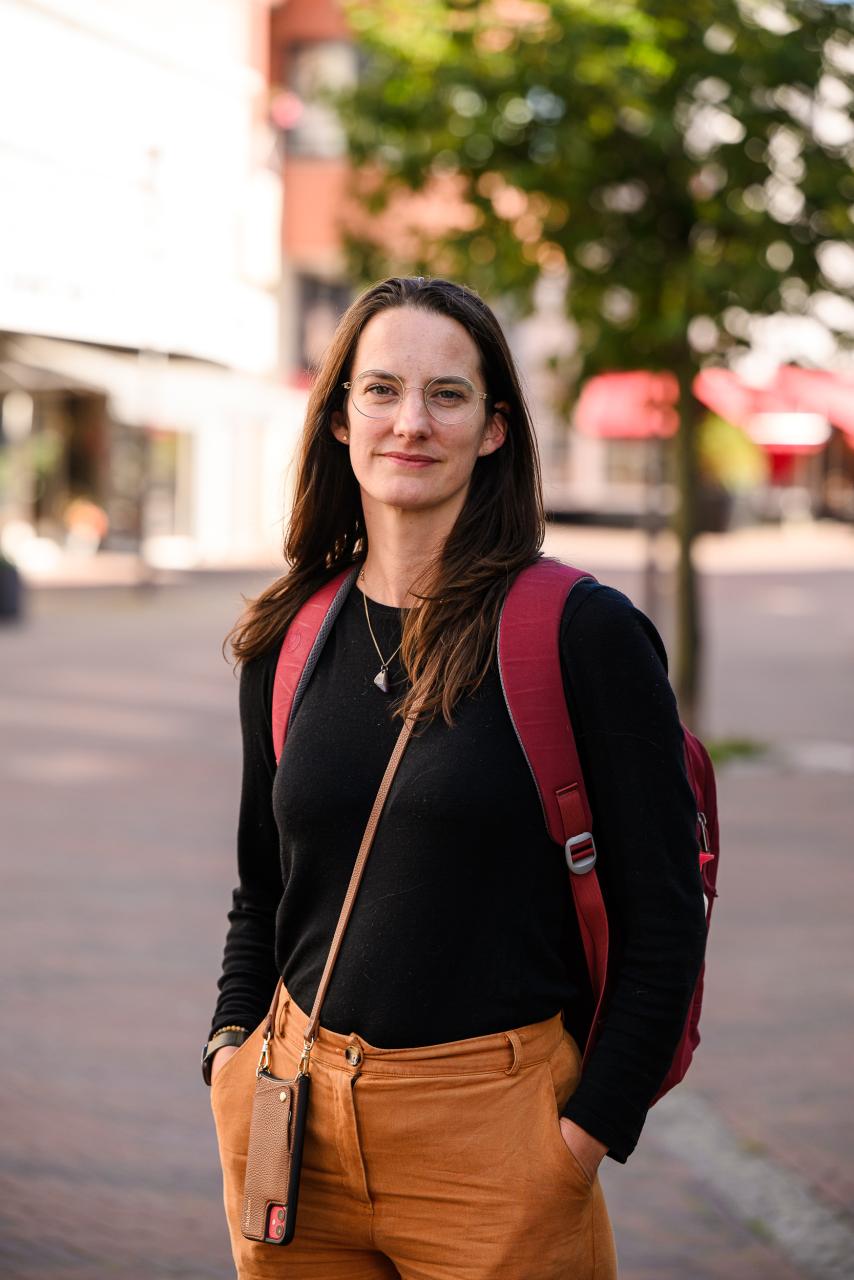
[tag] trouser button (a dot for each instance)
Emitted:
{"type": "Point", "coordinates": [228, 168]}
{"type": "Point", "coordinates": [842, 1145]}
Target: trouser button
{"type": "Point", "coordinates": [353, 1054]}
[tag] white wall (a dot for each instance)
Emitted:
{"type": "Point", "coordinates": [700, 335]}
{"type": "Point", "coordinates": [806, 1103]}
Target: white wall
{"type": "Point", "coordinates": [136, 209]}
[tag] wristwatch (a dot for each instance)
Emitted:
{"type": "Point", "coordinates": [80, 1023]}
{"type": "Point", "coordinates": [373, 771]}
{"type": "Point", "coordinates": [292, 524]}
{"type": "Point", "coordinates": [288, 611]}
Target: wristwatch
{"type": "Point", "coordinates": [226, 1035]}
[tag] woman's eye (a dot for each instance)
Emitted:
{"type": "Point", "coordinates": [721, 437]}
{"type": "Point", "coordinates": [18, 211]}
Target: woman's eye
{"type": "Point", "coordinates": [381, 389]}
{"type": "Point", "coordinates": [448, 394]}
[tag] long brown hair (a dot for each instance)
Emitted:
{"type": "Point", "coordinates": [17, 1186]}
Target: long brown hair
{"type": "Point", "coordinates": [449, 635]}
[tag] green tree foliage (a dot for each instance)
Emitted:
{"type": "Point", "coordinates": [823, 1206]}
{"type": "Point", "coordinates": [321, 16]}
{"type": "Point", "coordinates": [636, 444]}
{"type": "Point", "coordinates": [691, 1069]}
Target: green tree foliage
{"type": "Point", "coordinates": [690, 164]}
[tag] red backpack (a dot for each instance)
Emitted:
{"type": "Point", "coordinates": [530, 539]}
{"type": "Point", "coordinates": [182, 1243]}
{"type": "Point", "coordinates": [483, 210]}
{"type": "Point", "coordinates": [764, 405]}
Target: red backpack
{"type": "Point", "coordinates": [531, 680]}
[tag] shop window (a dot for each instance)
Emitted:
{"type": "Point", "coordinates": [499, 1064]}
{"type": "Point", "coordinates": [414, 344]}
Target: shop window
{"type": "Point", "coordinates": [626, 461]}
{"type": "Point", "coordinates": [313, 72]}
{"type": "Point", "coordinates": [168, 497]}
{"type": "Point", "coordinates": [321, 305]}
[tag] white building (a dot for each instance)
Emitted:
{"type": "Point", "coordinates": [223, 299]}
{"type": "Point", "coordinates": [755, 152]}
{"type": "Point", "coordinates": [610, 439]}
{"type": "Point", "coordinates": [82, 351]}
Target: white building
{"type": "Point", "coordinates": [139, 261]}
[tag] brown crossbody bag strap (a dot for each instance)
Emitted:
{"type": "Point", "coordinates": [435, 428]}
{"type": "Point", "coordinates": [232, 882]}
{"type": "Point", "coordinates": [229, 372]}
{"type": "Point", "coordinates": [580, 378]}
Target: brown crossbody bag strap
{"type": "Point", "coordinates": [279, 1106]}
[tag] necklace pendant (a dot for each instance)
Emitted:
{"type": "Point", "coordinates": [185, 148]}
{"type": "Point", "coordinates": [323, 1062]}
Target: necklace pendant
{"type": "Point", "coordinates": [381, 680]}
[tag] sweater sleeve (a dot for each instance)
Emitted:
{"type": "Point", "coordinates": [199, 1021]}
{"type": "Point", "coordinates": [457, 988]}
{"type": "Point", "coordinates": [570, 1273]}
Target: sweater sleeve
{"type": "Point", "coordinates": [631, 750]}
{"type": "Point", "coordinates": [249, 972]}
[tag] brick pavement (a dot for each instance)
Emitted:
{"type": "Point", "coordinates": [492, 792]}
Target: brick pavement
{"type": "Point", "coordinates": [117, 880]}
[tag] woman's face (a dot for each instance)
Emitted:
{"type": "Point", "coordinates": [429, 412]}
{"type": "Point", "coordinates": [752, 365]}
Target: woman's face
{"type": "Point", "coordinates": [410, 461]}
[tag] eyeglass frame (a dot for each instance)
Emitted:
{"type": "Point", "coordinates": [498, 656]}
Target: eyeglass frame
{"type": "Point", "coordinates": [479, 395]}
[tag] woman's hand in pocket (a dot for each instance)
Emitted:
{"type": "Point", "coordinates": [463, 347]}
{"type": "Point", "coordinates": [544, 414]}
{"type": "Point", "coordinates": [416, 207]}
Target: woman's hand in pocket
{"type": "Point", "coordinates": [220, 1058]}
{"type": "Point", "coordinates": [587, 1150]}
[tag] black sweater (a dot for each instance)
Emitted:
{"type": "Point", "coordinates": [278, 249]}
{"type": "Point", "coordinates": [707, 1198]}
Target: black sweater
{"type": "Point", "coordinates": [464, 923]}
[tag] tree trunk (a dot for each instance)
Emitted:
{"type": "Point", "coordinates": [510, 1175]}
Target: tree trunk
{"type": "Point", "coordinates": [654, 520]}
{"type": "Point", "coordinates": [688, 630]}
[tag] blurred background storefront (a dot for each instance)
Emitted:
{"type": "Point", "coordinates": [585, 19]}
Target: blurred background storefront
{"type": "Point", "coordinates": [172, 266]}
{"type": "Point", "coordinates": [143, 407]}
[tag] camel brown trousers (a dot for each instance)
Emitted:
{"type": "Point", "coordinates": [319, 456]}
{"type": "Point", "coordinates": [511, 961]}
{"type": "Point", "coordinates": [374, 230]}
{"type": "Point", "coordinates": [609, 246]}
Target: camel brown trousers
{"type": "Point", "coordinates": [444, 1162]}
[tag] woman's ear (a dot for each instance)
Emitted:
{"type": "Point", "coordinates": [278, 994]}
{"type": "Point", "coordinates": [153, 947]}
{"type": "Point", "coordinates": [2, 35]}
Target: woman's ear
{"type": "Point", "coordinates": [340, 430]}
{"type": "Point", "coordinates": [495, 431]}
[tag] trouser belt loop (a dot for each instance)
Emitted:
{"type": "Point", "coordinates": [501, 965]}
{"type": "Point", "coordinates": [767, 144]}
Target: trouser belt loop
{"type": "Point", "coordinates": [516, 1046]}
{"type": "Point", "coordinates": [281, 1012]}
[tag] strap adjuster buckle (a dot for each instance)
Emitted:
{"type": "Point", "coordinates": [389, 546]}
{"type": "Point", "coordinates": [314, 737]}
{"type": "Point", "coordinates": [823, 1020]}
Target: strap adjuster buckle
{"type": "Point", "coordinates": [580, 853]}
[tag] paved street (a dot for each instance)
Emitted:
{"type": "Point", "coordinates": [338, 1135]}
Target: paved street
{"type": "Point", "coordinates": [119, 786]}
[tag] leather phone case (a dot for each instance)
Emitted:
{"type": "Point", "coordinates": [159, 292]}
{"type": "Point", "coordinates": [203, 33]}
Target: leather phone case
{"type": "Point", "coordinates": [276, 1136]}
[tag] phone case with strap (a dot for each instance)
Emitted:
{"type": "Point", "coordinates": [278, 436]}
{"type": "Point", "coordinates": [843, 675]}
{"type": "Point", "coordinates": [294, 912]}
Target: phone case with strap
{"type": "Point", "coordinates": [280, 1106]}
{"type": "Point", "coordinates": [276, 1136]}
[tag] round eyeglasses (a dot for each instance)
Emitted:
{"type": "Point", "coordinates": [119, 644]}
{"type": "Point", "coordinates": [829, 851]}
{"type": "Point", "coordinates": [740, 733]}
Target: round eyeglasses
{"type": "Point", "coordinates": [449, 399]}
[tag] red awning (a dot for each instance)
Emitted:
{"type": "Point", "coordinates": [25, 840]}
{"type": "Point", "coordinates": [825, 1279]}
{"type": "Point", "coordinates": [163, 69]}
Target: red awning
{"type": "Point", "coordinates": [821, 391]}
{"type": "Point", "coordinates": [780, 416]}
{"type": "Point", "coordinates": [629, 406]}
{"type": "Point", "coordinates": [789, 415]}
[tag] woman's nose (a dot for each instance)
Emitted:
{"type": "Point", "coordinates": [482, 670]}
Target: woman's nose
{"type": "Point", "coordinates": [412, 417]}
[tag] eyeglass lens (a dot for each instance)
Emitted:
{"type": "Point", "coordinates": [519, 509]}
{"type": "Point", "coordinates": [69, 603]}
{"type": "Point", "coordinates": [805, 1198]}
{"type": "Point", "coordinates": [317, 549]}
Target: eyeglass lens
{"type": "Point", "coordinates": [448, 399]}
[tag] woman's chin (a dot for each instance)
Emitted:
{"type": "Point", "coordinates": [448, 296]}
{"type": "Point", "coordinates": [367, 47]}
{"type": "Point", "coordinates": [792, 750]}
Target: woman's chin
{"type": "Point", "coordinates": [406, 495]}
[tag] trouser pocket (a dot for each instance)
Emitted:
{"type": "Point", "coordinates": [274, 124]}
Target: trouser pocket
{"type": "Point", "coordinates": [562, 1072]}
{"type": "Point", "coordinates": [232, 1092]}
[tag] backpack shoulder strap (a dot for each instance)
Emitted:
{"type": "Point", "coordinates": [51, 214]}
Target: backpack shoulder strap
{"type": "Point", "coordinates": [301, 647]}
{"type": "Point", "coordinates": [532, 683]}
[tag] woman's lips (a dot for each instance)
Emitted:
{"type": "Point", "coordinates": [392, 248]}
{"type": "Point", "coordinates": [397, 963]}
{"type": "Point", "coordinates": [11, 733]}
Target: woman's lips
{"type": "Point", "coordinates": [410, 460]}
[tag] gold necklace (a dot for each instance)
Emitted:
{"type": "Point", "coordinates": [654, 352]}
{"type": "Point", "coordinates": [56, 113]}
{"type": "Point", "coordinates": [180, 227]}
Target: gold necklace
{"type": "Point", "coordinates": [381, 679]}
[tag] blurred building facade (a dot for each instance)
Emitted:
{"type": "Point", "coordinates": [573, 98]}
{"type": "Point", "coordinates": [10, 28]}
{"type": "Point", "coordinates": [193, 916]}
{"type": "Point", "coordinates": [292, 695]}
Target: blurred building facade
{"type": "Point", "coordinates": [171, 270]}
{"type": "Point", "coordinates": [139, 277]}
{"type": "Point", "coordinates": [311, 52]}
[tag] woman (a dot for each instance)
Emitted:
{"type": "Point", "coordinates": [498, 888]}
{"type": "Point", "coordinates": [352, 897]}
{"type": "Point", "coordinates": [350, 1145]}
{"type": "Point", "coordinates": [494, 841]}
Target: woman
{"type": "Point", "coordinates": [451, 1132]}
